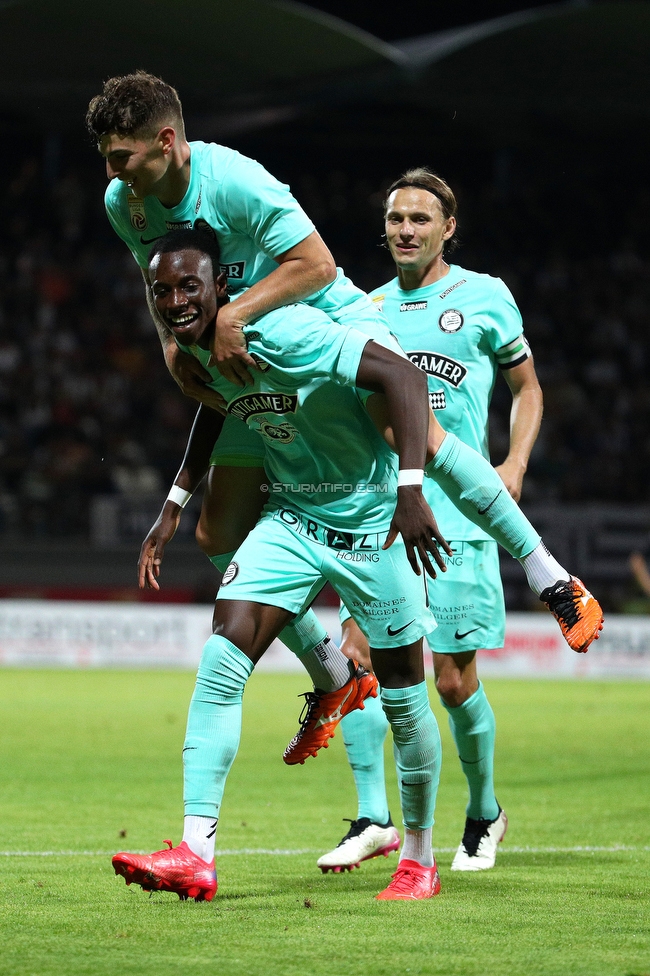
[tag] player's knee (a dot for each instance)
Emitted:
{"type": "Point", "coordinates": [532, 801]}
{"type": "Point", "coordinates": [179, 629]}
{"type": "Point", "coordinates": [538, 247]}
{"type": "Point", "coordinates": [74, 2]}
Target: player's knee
{"type": "Point", "coordinates": [450, 687]}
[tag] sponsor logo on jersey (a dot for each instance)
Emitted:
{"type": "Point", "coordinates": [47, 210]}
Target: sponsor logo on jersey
{"type": "Point", "coordinates": [284, 433]}
{"type": "Point", "coordinates": [413, 306]}
{"type": "Point", "coordinates": [254, 404]}
{"type": "Point", "coordinates": [438, 400]}
{"type": "Point", "coordinates": [234, 270]}
{"type": "Point", "coordinates": [178, 224]}
{"type": "Point", "coordinates": [137, 212]}
{"type": "Point", "coordinates": [232, 570]}
{"type": "Point", "coordinates": [440, 366]}
{"type": "Point", "coordinates": [378, 300]}
{"type": "Point", "coordinates": [198, 200]}
{"type": "Point", "coordinates": [149, 240]}
{"type": "Point", "coordinates": [451, 320]}
{"type": "Point", "coordinates": [350, 546]}
{"type": "Point", "coordinates": [444, 294]}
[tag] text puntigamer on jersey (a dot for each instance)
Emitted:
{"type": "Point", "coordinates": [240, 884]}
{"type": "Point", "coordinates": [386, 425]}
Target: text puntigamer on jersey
{"type": "Point", "coordinates": [441, 366]}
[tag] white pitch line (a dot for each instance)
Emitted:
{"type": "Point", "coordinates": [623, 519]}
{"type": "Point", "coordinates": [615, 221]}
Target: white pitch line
{"type": "Point", "coordinates": [280, 852]}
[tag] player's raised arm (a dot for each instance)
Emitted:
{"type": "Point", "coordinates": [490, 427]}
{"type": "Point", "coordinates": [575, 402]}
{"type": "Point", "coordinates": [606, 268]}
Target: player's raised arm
{"type": "Point", "coordinates": [404, 387]}
{"type": "Point", "coordinates": [205, 430]}
{"type": "Point", "coordinates": [303, 270]}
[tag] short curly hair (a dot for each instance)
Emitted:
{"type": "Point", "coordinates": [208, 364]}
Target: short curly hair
{"type": "Point", "coordinates": [424, 179]}
{"type": "Point", "coordinates": [135, 103]}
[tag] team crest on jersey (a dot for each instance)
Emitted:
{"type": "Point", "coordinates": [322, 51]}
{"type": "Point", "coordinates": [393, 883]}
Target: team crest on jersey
{"type": "Point", "coordinates": [285, 433]}
{"type": "Point", "coordinates": [137, 212]}
{"type": "Point", "coordinates": [232, 570]}
{"type": "Point", "coordinates": [253, 404]}
{"type": "Point", "coordinates": [413, 306]}
{"type": "Point", "coordinates": [378, 300]}
{"type": "Point", "coordinates": [441, 367]}
{"type": "Point", "coordinates": [451, 320]}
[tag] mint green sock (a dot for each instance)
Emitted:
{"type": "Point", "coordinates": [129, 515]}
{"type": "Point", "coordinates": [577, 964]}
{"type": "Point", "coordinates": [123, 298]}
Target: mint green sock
{"type": "Point", "coordinates": [364, 732]}
{"type": "Point", "coordinates": [416, 746]}
{"type": "Point", "coordinates": [473, 728]}
{"type": "Point", "coordinates": [477, 491]}
{"type": "Point", "coordinates": [213, 725]}
{"type": "Point", "coordinates": [301, 636]}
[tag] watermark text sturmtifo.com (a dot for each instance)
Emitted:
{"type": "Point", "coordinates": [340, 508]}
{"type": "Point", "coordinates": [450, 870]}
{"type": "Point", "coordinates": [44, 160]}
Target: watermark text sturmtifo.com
{"type": "Point", "coordinates": [328, 487]}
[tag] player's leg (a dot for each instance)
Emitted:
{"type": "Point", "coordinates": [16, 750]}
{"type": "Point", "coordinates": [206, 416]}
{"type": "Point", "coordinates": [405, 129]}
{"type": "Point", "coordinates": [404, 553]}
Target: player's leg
{"type": "Point", "coordinates": [472, 484]}
{"type": "Point", "coordinates": [417, 751]}
{"type": "Point", "coordinates": [388, 601]}
{"type": "Point", "coordinates": [232, 504]}
{"type": "Point", "coordinates": [364, 731]}
{"type": "Point", "coordinates": [477, 491]}
{"type": "Point", "coordinates": [468, 604]}
{"type": "Point", "coordinates": [243, 632]}
{"type": "Point", "coordinates": [263, 600]}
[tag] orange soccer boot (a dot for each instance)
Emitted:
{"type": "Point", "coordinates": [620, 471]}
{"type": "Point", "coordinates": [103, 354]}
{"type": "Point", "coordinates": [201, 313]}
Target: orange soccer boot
{"type": "Point", "coordinates": [323, 711]}
{"type": "Point", "coordinates": [578, 613]}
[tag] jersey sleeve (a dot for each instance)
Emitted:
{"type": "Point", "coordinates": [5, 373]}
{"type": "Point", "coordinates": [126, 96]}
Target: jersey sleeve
{"type": "Point", "coordinates": [121, 227]}
{"type": "Point", "coordinates": [505, 329]}
{"type": "Point", "coordinates": [262, 208]}
{"type": "Point", "coordinates": [306, 346]}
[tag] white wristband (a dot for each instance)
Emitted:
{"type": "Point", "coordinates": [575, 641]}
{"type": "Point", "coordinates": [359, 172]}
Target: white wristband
{"type": "Point", "coordinates": [410, 476]}
{"type": "Point", "coordinates": [179, 495]}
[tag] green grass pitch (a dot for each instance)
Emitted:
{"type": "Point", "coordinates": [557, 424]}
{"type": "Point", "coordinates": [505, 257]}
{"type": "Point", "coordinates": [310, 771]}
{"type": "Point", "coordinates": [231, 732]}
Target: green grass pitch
{"type": "Point", "coordinates": [90, 764]}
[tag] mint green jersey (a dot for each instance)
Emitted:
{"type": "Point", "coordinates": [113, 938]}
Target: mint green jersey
{"type": "Point", "coordinates": [461, 330]}
{"type": "Point", "coordinates": [324, 457]}
{"type": "Point", "coordinates": [254, 216]}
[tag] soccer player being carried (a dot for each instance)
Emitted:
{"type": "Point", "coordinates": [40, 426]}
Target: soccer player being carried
{"type": "Point", "coordinates": [271, 253]}
{"type": "Point", "coordinates": [461, 328]}
{"type": "Point", "coordinates": [333, 497]}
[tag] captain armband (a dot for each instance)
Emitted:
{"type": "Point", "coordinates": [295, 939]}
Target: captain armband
{"type": "Point", "coordinates": [514, 354]}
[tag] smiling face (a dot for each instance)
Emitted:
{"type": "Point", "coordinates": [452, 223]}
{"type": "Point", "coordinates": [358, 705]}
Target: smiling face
{"type": "Point", "coordinates": [185, 293]}
{"type": "Point", "coordinates": [416, 229]}
{"type": "Point", "coordinates": [139, 160]}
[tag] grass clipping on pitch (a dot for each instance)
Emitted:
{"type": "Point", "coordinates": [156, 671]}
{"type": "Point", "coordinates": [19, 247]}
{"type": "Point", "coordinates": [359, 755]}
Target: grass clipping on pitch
{"type": "Point", "coordinates": [90, 763]}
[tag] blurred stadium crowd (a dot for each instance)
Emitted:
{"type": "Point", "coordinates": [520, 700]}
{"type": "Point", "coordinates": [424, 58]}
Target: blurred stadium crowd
{"type": "Point", "coordinates": [87, 406]}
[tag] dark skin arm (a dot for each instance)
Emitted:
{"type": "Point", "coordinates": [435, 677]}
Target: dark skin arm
{"type": "Point", "coordinates": [205, 430]}
{"type": "Point", "coordinates": [404, 388]}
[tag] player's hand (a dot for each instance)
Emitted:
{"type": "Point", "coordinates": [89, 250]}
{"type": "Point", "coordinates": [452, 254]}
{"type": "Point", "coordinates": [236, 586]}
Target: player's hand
{"type": "Point", "coordinates": [414, 520]}
{"type": "Point", "coordinates": [228, 347]}
{"type": "Point", "coordinates": [512, 475]}
{"type": "Point", "coordinates": [192, 378]}
{"type": "Point", "coordinates": [153, 547]}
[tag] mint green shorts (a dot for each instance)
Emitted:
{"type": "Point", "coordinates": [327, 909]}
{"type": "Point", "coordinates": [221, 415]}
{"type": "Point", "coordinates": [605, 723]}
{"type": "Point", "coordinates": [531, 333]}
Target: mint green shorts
{"type": "Point", "coordinates": [287, 558]}
{"type": "Point", "coordinates": [467, 601]}
{"type": "Point", "coordinates": [238, 446]}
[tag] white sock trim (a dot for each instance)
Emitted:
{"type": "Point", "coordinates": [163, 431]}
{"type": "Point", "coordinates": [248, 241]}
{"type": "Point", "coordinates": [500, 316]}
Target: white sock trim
{"type": "Point", "coordinates": [417, 846]}
{"type": "Point", "coordinates": [542, 569]}
{"type": "Point", "coordinates": [200, 834]}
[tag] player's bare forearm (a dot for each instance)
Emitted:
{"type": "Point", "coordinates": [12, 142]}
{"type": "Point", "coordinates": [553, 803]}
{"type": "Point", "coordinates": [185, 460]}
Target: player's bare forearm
{"type": "Point", "coordinates": [404, 389]}
{"type": "Point", "coordinates": [525, 420]}
{"type": "Point", "coordinates": [205, 431]}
